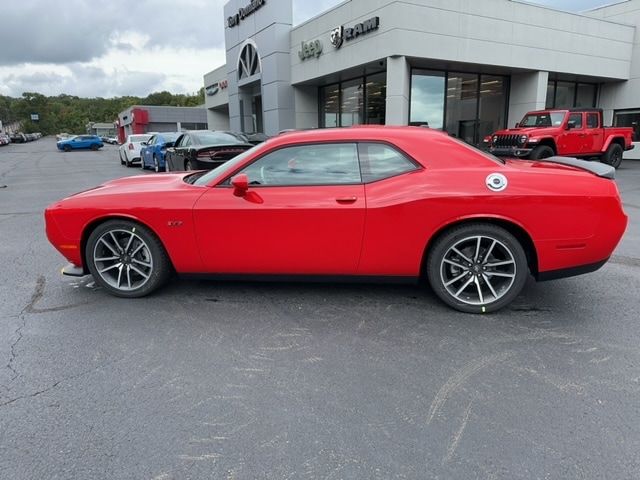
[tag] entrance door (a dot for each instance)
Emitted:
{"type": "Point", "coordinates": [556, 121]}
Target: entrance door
{"type": "Point", "coordinates": [258, 126]}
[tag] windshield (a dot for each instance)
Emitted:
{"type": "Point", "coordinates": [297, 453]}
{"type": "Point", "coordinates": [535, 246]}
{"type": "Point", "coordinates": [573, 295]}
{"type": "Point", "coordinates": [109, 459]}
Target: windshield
{"type": "Point", "coordinates": [542, 120]}
{"type": "Point", "coordinates": [224, 168]}
{"type": "Point", "coordinates": [170, 137]}
{"type": "Point", "coordinates": [215, 138]}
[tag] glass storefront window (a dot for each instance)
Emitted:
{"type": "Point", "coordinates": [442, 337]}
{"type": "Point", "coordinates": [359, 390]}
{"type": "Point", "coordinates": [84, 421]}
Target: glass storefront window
{"type": "Point", "coordinates": [571, 94]}
{"type": "Point", "coordinates": [330, 102]}
{"type": "Point", "coordinates": [354, 102]}
{"type": "Point", "coordinates": [462, 105]}
{"type": "Point", "coordinates": [427, 98]}
{"type": "Point", "coordinates": [565, 93]}
{"type": "Point", "coordinates": [376, 98]}
{"type": "Point", "coordinates": [493, 108]}
{"type": "Point", "coordinates": [586, 95]}
{"type": "Point", "coordinates": [628, 118]}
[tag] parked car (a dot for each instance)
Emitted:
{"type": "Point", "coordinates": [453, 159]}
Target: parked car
{"type": "Point", "coordinates": [363, 203]}
{"type": "Point", "coordinates": [4, 139]}
{"type": "Point", "coordinates": [129, 151]}
{"type": "Point", "coordinates": [203, 150]}
{"type": "Point", "coordinates": [92, 142]}
{"type": "Point", "coordinates": [18, 138]}
{"type": "Point", "coordinates": [574, 132]}
{"type": "Point", "coordinates": [109, 140]}
{"type": "Point", "coordinates": [152, 153]}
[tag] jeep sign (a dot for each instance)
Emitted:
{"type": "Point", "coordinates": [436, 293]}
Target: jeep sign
{"type": "Point", "coordinates": [310, 50]}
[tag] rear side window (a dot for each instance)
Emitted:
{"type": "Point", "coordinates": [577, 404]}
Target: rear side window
{"type": "Point", "coordinates": [378, 161]}
{"type": "Point", "coordinates": [592, 120]}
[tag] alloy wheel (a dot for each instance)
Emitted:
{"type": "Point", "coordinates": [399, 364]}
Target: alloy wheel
{"type": "Point", "coordinates": [478, 270]}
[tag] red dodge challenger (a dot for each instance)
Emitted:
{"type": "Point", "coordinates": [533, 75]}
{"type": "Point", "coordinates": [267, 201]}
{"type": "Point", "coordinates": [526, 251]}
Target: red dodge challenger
{"type": "Point", "coordinates": [361, 203]}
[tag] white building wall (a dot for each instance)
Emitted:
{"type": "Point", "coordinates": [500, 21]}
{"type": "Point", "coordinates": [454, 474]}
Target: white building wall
{"type": "Point", "coordinates": [623, 95]}
{"type": "Point", "coordinates": [500, 33]}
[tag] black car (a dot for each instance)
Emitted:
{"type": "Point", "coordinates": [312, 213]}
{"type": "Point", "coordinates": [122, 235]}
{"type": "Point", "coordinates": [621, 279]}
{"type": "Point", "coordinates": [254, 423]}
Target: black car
{"type": "Point", "coordinates": [203, 150]}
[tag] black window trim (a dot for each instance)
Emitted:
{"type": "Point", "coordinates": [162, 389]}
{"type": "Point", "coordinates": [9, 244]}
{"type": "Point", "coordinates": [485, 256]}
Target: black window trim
{"type": "Point", "coordinates": [226, 182]}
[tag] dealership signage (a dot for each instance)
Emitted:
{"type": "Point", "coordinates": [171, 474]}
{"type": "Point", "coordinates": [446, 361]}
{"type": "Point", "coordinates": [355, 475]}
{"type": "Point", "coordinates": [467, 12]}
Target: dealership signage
{"type": "Point", "coordinates": [341, 34]}
{"type": "Point", "coordinates": [216, 87]}
{"type": "Point", "coordinates": [244, 12]}
{"type": "Point", "coordinates": [310, 49]}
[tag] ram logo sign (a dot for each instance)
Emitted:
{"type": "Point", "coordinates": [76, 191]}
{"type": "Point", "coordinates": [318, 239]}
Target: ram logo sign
{"type": "Point", "coordinates": [342, 34]}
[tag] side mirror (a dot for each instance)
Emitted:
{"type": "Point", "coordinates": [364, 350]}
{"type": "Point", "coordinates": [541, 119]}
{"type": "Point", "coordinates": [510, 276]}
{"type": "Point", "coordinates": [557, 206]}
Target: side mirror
{"type": "Point", "coordinates": [144, 144]}
{"type": "Point", "coordinates": [517, 125]}
{"type": "Point", "coordinates": [571, 125]}
{"type": "Point", "coordinates": [240, 184]}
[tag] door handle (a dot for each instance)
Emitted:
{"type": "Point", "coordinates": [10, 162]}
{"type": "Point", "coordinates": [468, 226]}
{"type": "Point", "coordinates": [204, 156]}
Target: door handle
{"type": "Point", "coordinates": [346, 200]}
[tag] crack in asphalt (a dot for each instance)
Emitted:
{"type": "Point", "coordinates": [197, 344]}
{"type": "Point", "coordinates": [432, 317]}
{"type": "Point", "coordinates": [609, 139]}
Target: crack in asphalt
{"type": "Point", "coordinates": [35, 296]}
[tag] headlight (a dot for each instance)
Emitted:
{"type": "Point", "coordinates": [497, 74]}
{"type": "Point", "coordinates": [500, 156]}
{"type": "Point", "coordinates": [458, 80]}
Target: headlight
{"type": "Point", "coordinates": [523, 139]}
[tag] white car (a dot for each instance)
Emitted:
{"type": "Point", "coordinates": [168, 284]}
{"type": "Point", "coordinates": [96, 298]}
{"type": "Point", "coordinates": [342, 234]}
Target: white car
{"type": "Point", "coordinates": [130, 150]}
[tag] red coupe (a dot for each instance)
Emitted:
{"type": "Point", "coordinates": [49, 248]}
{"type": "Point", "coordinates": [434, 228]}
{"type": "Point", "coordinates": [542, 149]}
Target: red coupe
{"type": "Point", "coordinates": [361, 203]}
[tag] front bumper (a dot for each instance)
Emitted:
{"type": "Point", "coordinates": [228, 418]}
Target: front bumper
{"type": "Point", "coordinates": [519, 152]}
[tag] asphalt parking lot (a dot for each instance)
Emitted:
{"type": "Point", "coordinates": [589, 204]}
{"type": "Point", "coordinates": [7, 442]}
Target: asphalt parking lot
{"type": "Point", "coordinates": [286, 381]}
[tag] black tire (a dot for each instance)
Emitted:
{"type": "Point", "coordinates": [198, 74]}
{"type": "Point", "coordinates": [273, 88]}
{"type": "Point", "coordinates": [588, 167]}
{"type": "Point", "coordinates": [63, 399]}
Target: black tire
{"type": "Point", "coordinates": [142, 165]}
{"type": "Point", "coordinates": [95, 147]}
{"type": "Point", "coordinates": [127, 162]}
{"type": "Point", "coordinates": [120, 155]}
{"type": "Point", "coordinates": [541, 151]}
{"type": "Point", "coordinates": [167, 166]}
{"type": "Point", "coordinates": [482, 280]}
{"type": "Point", "coordinates": [613, 155]}
{"type": "Point", "coordinates": [156, 165]}
{"type": "Point", "coordinates": [67, 148]}
{"type": "Point", "coordinates": [131, 234]}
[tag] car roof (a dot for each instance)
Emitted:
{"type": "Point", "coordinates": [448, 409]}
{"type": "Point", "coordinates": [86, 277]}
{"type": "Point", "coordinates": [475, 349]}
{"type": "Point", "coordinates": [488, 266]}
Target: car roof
{"type": "Point", "coordinates": [358, 133]}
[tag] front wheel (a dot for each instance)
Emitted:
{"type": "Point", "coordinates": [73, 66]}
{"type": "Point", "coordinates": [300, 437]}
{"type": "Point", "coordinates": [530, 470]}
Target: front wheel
{"type": "Point", "coordinates": [477, 268]}
{"type": "Point", "coordinates": [156, 165]}
{"type": "Point", "coordinates": [540, 152]}
{"type": "Point", "coordinates": [613, 155]}
{"type": "Point", "coordinates": [67, 148]}
{"type": "Point", "coordinates": [127, 259]}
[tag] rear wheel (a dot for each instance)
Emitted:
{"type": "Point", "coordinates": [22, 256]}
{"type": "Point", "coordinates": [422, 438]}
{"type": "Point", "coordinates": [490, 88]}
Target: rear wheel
{"type": "Point", "coordinates": [127, 259]}
{"type": "Point", "coordinates": [477, 268]}
{"type": "Point", "coordinates": [613, 155]}
{"type": "Point", "coordinates": [94, 147]}
{"type": "Point", "coordinates": [156, 165]}
{"type": "Point", "coordinates": [540, 152]}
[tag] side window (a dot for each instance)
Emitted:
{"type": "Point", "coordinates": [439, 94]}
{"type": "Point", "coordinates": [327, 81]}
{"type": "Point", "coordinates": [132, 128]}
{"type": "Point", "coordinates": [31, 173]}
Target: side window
{"type": "Point", "coordinates": [152, 140]}
{"type": "Point", "coordinates": [186, 141]}
{"type": "Point", "coordinates": [576, 119]}
{"type": "Point", "coordinates": [593, 120]}
{"type": "Point", "coordinates": [333, 164]}
{"type": "Point", "coordinates": [378, 161]}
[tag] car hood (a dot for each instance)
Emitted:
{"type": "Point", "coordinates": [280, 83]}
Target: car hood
{"type": "Point", "coordinates": [160, 182]}
{"type": "Point", "coordinates": [525, 131]}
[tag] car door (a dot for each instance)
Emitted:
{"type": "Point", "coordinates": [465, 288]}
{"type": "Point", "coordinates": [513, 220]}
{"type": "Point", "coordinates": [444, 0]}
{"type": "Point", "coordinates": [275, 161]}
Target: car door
{"type": "Point", "coordinates": [593, 134]}
{"type": "Point", "coordinates": [146, 151]}
{"type": "Point", "coordinates": [571, 141]}
{"type": "Point", "coordinates": [303, 215]}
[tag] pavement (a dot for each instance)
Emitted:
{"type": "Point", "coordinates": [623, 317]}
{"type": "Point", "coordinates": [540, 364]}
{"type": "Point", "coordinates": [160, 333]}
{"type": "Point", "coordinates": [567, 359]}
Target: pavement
{"type": "Point", "coordinates": [213, 380]}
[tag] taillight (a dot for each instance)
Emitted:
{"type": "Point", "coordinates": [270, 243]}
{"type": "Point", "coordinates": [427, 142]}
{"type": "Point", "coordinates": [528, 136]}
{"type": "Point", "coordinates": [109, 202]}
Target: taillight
{"type": "Point", "coordinates": [131, 146]}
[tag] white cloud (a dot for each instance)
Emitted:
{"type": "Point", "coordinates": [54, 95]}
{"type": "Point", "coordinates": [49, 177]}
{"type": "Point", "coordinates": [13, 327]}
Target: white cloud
{"type": "Point", "coordinates": [122, 47]}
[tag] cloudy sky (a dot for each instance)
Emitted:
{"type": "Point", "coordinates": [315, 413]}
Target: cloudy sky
{"type": "Point", "coordinates": [123, 47]}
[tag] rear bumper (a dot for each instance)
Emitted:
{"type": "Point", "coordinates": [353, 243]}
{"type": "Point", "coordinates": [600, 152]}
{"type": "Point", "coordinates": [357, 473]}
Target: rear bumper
{"type": "Point", "coordinates": [570, 272]}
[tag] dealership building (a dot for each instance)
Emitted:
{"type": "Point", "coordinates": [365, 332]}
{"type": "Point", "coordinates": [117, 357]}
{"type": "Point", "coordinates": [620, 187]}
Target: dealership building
{"type": "Point", "coordinates": [468, 67]}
